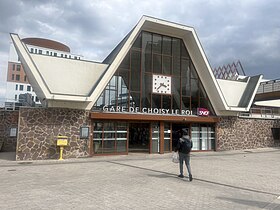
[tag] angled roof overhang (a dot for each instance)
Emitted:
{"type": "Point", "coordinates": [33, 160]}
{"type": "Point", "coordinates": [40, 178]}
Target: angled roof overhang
{"type": "Point", "coordinates": [59, 82]}
{"type": "Point", "coordinates": [188, 35]}
{"type": "Point", "coordinates": [87, 96]}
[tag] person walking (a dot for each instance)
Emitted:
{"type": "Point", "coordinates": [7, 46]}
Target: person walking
{"type": "Point", "coordinates": [184, 147]}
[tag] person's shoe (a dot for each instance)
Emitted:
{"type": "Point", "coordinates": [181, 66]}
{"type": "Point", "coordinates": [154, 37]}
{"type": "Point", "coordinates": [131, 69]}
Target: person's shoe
{"type": "Point", "coordinates": [190, 177]}
{"type": "Point", "coordinates": [181, 176]}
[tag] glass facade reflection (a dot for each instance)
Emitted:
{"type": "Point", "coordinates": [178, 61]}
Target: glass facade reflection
{"type": "Point", "coordinates": [132, 85]}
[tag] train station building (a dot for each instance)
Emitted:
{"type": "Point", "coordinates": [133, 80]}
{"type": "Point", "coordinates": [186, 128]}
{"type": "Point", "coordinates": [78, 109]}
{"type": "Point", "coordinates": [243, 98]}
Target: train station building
{"type": "Point", "coordinates": [155, 82]}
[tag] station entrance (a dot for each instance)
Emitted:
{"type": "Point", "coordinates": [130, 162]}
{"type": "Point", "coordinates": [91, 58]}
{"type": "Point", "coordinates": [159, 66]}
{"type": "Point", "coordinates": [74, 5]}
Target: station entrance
{"type": "Point", "coordinates": [139, 137]}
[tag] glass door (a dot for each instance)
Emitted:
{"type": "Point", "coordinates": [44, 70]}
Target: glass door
{"type": "Point", "coordinates": [203, 136]}
{"type": "Point", "coordinates": [195, 138]}
{"type": "Point", "coordinates": [110, 137]}
{"type": "Point", "coordinates": [155, 138]}
{"type": "Point", "coordinates": [167, 137]}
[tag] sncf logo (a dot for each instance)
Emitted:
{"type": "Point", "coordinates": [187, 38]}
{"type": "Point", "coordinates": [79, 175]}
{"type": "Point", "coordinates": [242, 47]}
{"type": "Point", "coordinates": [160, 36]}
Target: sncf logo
{"type": "Point", "coordinates": [202, 112]}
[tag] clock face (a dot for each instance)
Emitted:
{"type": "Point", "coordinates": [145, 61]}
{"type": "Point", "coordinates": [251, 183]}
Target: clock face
{"type": "Point", "coordinates": [161, 84]}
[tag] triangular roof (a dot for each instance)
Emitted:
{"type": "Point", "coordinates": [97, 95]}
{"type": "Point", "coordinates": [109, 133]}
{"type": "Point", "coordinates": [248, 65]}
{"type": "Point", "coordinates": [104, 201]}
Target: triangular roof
{"type": "Point", "coordinates": [225, 96]}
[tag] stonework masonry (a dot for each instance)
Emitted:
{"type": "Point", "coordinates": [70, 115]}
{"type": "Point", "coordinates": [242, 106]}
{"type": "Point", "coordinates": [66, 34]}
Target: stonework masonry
{"type": "Point", "coordinates": [8, 120]}
{"type": "Point", "coordinates": [39, 128]}
{"type": "Point", "coordinates": [233, 133]}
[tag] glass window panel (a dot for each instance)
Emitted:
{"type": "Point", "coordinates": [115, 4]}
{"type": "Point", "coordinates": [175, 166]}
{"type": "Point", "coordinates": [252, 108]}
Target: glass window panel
{"type": "Point", "coordinates": [108, 146]}
{"type": "Point", "coordinates": [212, 137]}
{"type": "Point", "coordinates": [100, 102]}
{"type": "Point", "coordinates": [176, 87]}
{"type": "Point", "coordinates": [194, 104]}
{"type": "Point", "coordinates": [186, 103]}
{"type": "Point", "coordinates": [176, 93]}
{"type": "Point", "coordinates": [97, 146]}
{"type": "Point", "coordinates": [176, 49]}
{"type": "Point", "coordinates": [195, 137]}
{"type": "Point", "coordinates": [146, 91]}
{"type": "Point", "coordinates": [146, 52]}
{"type": "Point", "coordinates": [156, 101]}
{"type": "Point", "coordinates": [204, 137]}
{"type": "Point", "coordinates": [137, 43]}
{"type": "Point", "coordinates": [186, 88]}
{"type": "Point", "coordinates": [166, 101]}
{"type": "Point", "coordinates": [167, 137]}
{"type": "Point", "coordinates": [124, 74]}
{"type": "Point", "coordinates": [157, 63]}
{"type": "Point", "coordinates": [194, 88]}
{"type": "Point", "coordinates": [155, 138]}
{"type": "Point", "coordinates": [122, 93]}
{"type": "Point", "coordinates": [97, 137]}
{"type": "Point", "coordinates": [185, 54]}
{"type": "Point", "coordinates": [135, 99]}
{"type": "Point", "coordinates": [126, 62]}
{"type": "Point", "coordinates": [109, 137]}
{"type": "Point", "coordinates": [176, 66]}
{"type": "Point", "coordinates": [193, 72]}
{"type": "Point", "coordinates": [202, 91]}
{"type": "Point", "coordinates": [167, 65]}
{"type": "Point", "coordinates": [176, 102]}
{"type": "Point", "coordinates": [109, 131]}
{"type": "Point", "coordinates": [121, 137]}
{"type": "Point", "coordinates": [122, 146]}
{"type": "Point", "coordinates": [166, 45]}
{"type": "Point", "coordinates": [135, 70]}
{"type": "Point", "coordinates": [185, 68]}
{"type": "Point", "coordinates": [147, 62]}
{"type": "Point", "coordinates": [147, 42]}
{"type": "Point", "coordinates": [157, 43]}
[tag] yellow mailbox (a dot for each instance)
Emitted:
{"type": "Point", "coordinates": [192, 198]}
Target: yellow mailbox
{"type": "Point", "coordinates": [62, 141]}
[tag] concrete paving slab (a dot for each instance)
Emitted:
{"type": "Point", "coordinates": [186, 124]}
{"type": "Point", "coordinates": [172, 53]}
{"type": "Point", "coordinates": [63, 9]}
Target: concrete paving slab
{"type": "Point", "coordinates": [222, 180]}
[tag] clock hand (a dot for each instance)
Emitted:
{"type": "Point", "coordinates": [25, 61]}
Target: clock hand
{"type": "Point", "coordinates": [162, 84]}
{"type": "Point", "coordinates": [159, 86]}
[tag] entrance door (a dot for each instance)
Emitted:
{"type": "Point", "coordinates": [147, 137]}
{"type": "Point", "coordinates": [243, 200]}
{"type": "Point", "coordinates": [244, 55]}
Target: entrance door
{"type": "Point", "coordinates": [139, 137]}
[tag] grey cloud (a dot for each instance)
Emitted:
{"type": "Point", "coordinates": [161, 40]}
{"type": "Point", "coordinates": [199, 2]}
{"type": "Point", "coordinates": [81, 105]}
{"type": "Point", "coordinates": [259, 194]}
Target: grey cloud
{"type": "Point", "coordinates": [228, 30]}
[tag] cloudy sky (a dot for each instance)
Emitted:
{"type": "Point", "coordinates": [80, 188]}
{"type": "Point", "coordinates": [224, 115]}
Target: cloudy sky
{"type": "Point", "coordinates": [229, 30]}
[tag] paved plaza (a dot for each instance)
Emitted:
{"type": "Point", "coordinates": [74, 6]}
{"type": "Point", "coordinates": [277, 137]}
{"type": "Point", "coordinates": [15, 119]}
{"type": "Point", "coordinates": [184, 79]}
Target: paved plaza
{"type": "Point", "coordinates": [222, 180]}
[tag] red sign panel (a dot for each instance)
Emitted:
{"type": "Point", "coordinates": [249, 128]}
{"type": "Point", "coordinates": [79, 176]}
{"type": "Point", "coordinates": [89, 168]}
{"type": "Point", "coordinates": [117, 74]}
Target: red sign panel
{"type": "Point", "coordinates": [202, 112]}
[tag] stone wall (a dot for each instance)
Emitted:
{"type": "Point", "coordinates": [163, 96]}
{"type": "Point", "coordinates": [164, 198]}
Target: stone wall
{"type": "Point", "coordinates": [39, 128]}
{"type": "Point", "coordinates": [8, 120]}
{"type": "Point", "coordinates": [235, 133]}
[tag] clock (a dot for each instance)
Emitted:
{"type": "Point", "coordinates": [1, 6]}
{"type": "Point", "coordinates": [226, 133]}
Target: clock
{"type": "Point", "coordinates": [161, 84]}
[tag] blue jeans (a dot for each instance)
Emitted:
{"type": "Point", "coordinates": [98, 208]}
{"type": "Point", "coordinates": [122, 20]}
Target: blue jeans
{"type": "Point", "coordinates": [184, 157]}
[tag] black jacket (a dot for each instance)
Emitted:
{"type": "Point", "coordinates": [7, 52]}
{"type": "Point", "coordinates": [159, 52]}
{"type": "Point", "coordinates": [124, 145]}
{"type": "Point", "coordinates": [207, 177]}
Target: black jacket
{"type": "Point", "coordinates": [184, 145]}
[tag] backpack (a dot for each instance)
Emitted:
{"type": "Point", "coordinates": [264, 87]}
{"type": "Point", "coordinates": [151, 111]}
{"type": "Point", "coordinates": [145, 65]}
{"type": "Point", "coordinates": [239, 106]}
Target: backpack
{"type": "Point", "coordinates": [186, 146]}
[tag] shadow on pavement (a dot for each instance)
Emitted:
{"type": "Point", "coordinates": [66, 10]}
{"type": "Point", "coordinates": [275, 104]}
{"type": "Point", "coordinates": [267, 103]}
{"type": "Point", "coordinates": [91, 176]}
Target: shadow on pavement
{"type": "Point", "coordinates": [252, 203]}
{"type": "Point", "coordinates": [166, 174]}
{"type": "Point", "coordinates": [11, 156]}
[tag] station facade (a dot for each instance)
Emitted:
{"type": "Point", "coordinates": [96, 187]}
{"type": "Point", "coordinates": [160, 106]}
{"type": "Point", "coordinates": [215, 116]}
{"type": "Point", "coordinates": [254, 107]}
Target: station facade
{"type": "Point", "coordinates": [154, 83]}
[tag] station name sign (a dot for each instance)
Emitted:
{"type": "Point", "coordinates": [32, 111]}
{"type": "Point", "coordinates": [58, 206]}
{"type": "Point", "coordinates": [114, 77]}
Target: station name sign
{"type": "Point", "coordinates": [119, 109]}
